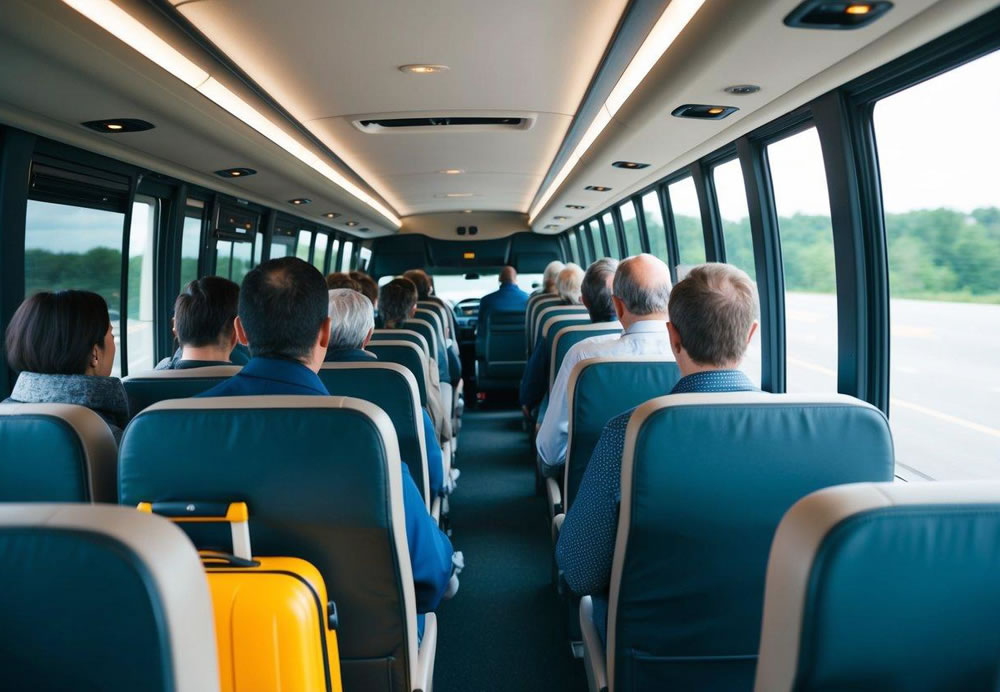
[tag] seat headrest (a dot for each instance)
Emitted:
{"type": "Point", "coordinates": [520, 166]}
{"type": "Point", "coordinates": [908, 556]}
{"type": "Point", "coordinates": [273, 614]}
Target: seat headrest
{"type": "Point", "coordinates": [186, 373]}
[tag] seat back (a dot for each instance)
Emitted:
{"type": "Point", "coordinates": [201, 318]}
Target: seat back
{"type": "Point", "coordinates": [102, 598]}
{"type": "Point", "coordinates": [321, 477]}
{"type": "Point", "coordinates": [56, 453]}
{"type": "Point", "coordinates": [535, 304]}
{"type": "Point", "coordinates": [442, 313]}
{"type": "Point", "coordinates": [598, 390]}
{"type": "Point", "coordinates": [434, 317]}
{"type": "Point", "coordinates": [501, 363]}
{"type": "Point", "coordinates": [392, 388]}
{"type": "Point", "coordinates": [426, 330]}
{"type": "Point", "coordinates": [568, 337]}
{"type": "Point", "coordinates": [554, 324]}
{"type": "Point", "coordinates": [447, 313]}
{"type": "Point", "coordinates": [884, 587]}
{"type": "Point", "coordinates": [409, 356]}
{"type": "Point", "coordinates": [147, 388]}
{"type": "Point", "coordinates": [705, 480]}
{"type": "Point", "coordinates": [557, 310]}
{"type": "Point", "coordinates": [402, 335]}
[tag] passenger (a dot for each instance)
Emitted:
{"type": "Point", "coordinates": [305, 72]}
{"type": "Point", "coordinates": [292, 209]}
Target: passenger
{"type": "Point", "coordinates": [552, 270]}
{"type": "Point", "coordinates": [568, 284]}
{"type": "Point", "coordinates": [368, 287]}
{"type": "Point", "coordinates": [507, 297]}
{"type": "Point", "coordinates": [342, 280]}
{"type": "Point", "coordinates": [641, 289]}
{"type": "Point", "coordinates": [596, 296]}
{"type": "Point", "coordinates": [713, 316]}
{"type": "Point", "coordinates": [62, 346]}
{"type": "Point", "coordinates": [283, 319]}
{"type": "Point", "coordinates": [425, 286]}
{"type": "Point", "coordinates": [352, 322]}
{"type": "Point", "coordinates": [203, 324]}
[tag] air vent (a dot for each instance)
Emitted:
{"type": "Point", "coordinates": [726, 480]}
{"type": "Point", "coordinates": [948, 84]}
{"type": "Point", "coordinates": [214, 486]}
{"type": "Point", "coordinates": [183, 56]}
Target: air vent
{"type": "Point", "coordinates": [444, 123]}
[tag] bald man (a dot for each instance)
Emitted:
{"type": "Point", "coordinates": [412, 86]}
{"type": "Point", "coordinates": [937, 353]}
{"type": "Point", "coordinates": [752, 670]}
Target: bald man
{"type": "Point", "coordinates": [640, 294]}
{"type": "Point", "coordinates": [508, 297]}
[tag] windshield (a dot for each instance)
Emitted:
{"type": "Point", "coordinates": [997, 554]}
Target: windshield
{"type": "Point", "coordinates": [455, 287]}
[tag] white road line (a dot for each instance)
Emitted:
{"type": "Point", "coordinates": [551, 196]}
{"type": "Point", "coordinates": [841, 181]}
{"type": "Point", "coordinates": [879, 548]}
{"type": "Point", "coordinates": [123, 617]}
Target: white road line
{"type": "Point", "coordinates": [811, 366]}
{"type": "Point", "coordinates": [945, 417]}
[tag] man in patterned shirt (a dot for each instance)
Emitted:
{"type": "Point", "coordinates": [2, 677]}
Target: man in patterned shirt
{"type": "Point", "coordinates": [713, 315]}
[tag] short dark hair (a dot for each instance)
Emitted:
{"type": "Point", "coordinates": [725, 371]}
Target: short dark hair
{"type": "Point", "coordinates": [421, 280]}
{"type": "Point", "coordinates": [596, 289]}
{"type": "Point", "coordinates": [205, 310]}
{"type": "Point", "coordinates": [54, 333]}
{"type": "Point", "coordinates": [712, 310]}
{"type": "Point", "coordinates": [396, 299]}
{"type": "Point", "coordinates": [282, 307]}
{"type": "Point", "coordinates": [341, 280]}
{"type": "Point", "coordinates": [368, 286]}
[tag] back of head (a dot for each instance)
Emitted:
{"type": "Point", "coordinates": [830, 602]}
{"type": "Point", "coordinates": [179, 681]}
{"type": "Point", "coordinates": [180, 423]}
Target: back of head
{"type": "Point", "coordinates": [596, 289]}
{"type": "Point", "coordinates": [421, 280]}
{"type": "Point", "coordinates": [342, 280]}
{"type": "Point", "coordinates": [642, 283]}
{"type": "Point", "coordinates": [508, 275]}
{"type": "Point", "coordinates": [282, 307]}
{"type": "Point", "coordinates": [55, 333]}
{"type": "Point", "coordinates": [367, 286]}
{"type": "Point", "coordinates": [205, 310]}
{"type": "Point", "coordinates": [552, 270]}
{"type": "Point", "coordinates": [396, 299]}
{"type": "Point", "coordinates": [351, 319]}
{"type": "Point", "coordinates": [568, 284]}
{"type": "Point", "coordinates": [713, 309]}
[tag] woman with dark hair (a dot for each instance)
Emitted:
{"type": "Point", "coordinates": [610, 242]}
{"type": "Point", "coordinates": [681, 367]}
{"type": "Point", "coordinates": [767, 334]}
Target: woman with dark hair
{"type": "Point", "coordinates": [63, 349]}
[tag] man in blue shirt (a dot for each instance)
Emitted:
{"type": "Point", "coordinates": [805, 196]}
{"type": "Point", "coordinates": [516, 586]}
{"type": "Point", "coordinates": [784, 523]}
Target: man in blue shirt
{"type": "Point", "coordinates": [203, 324]}
{"type": "Point", "coordinates": [508, 298]}
{"type": "Point", "coordinates": [713, 316]}
{"type": "Point", "coordinates": [283, 319]}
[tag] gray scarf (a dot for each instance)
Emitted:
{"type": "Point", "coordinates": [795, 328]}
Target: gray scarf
{"type": "Point", "coordinates": [103, 395]}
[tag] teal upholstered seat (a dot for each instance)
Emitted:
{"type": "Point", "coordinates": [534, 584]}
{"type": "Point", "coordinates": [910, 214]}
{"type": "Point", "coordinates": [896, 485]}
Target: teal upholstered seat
{"type": "Point", "coordinates": [705, 480]}
{"type": "Point", "coordinates": [146, 388]}
{"type": "Point", "coordinates": [890, 586]}
{"type": "Point", "coordinates": [425, 329]}
{"type": "Point", "coordinates": [446, 316]}
{"type": "Point", "coordinates": [321, 477]}
{"type": "Point", "coordinates": [406, 354]}
{"type": "Point", "coordinates": [569, 337]}
{"type": "Point", "coordinates": [558, 309]}
{"type": "Point", "coordinates": [56, 453]}
{"type": "Point", "coordinates": [98, 597]}
{"type": "Point", "coordinates": [535, 304]}
{"type": "Point", "coordinates": [402, 335]}
{"type": "Point", "coordinates": [500, 350]}
{"type": "Point", "coordinates": [434, 317]}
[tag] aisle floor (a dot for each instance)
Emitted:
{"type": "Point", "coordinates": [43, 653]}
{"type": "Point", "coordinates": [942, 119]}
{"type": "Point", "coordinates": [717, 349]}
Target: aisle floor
{"type": "Point", "coordinates": [505, 629]}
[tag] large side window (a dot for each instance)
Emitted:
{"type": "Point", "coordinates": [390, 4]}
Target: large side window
{"type": "Point", "coordinates": [141, 244]}
{"type": "Point", "coordinates": [630, 225]}
{"type": "Point", "coordinates": [191, 240]}
{"type": "Point", "coordinates": [687, 221]}
{"type": "Point", "coordinates": [571, 244]}
{"type": "Point", "coordinates": [595, 239]}
{"type": "Point", "coordinates": [938, 147]}
{"type": "Point", "coordinates": [581, 247]}
{"type": "Point", "coordinates": [319, 252]}
{"type": "Point", "coordinates": [302, 248]}
{"type": "Point", "coordinates": [731, 196]}
{"type": "Point", "coordinates": [364, 258]}
{"type": "Point", "coordinates": [345, 255]}
{"type": "Point", "coordinates": [655, 230]}
{"type": "Point", "coordinates": [612, 235]}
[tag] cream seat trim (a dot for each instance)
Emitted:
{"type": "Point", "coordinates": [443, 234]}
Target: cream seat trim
{"type": "Point", "coordinates": [544, 313]}
{"type": "Point", "coordinates": [592, 327]}
{"type": "Point", "coordinates": [431, 347]}
{"type": "Point", "coordinates": [186, 373]}
{"type": "Point", "coordinates": [408, 332]}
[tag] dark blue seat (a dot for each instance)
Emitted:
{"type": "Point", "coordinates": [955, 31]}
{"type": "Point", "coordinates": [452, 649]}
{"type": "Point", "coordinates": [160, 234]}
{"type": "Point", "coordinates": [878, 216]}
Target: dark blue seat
{"type": "Point", "coordinates": [536, 303]}
{"type": "Point", "coordinates": [500, 350]}
{"type": "Point", "coordinates": [570, 336]}
{"type": "Point", "coordinates": [404, 353]}
{"type": "Point", "coordinates": [147, 388]}
{"type": "Point", "coordinates": [705, 480]}
{"type": "Point", "coordinates": [888, 586]}
{"type": "Point", "coordinates": [555, 310]}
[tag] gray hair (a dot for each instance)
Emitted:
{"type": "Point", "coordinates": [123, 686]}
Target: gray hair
{"type": "Point", "coordinates": [552, 270]}
{"type": "Point", "coordinates": [713, 309]}
{"type": "Point", "coordinates": [351, 318]}
{"type": "Point", "coordinates": [597, 292]}
{"type": "Point", "coordinates": [641, 295]}
{"type": "Point", "coordinates": [568, 284]}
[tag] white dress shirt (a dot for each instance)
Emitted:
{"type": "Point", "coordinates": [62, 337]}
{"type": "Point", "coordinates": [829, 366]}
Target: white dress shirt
{"type": "Point", "coordinates": [643, 338]}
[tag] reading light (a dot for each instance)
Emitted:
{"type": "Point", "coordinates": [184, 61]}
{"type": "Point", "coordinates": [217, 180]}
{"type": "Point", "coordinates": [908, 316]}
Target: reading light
{"type": "Point", "coordinates": [235, 172]}
{"type": "Point", "coordinates": [331, 215]}
{"type": "Point", "coordinates": [452, 171]}
{"type": "Point", "coordinates": [742, 89]}
{"type": "Point", "coordinates": [631, 165]}
{"type": "Point", "coordinates": [352, 224]}
{"type": "Point", "coordinates": [423, 69]}
{"type": "Point", "coordinates": [560, 218]}
{"type": "Point", "coordinates": [299, 201]}
{"type": "Point", "coordinates": [597, 188]}
{"type": "Point", "coordinates": [575, 206]}
{"type": "Point", "coordinates": [829, 14]}
{"type": "Point", "coordinates": [697, 110]}
{"type": "Point", "coordinates": [133, 33]}
{"type": "Point", "coordinates": [364, 229]}
{"type": "Point", "coordinates": [551, 227]}
{"type": "Point", "coordinates": [668, 27]}
{"type": "Point", "coordinates": [114, 126]}
{"type": "Point", "coordinates": [469, 255]}
{"type": "Point", "coordinates": [459, 194]}
{"type": "Point", "coordinates": [715, 111]}
{"type": "Point", "coordinates": [466, 211]}
{"type": "Point", "coordinates": [118, 125]}
{"type": "Point", "coordinates": [858, 9]}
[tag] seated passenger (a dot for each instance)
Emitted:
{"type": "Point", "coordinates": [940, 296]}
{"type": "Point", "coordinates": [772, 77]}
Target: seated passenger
{"type": "Point", "coordinates": [352, 321]}
{"type": "Point", "coordinates": [595, 292]}
{"type": "Point", "coordinates": [507, 297]}
{"type": "Point", "coordinates": [283, 319]}
{"type": "Point", "coordinates": [62, 346]}
{"type": "Point", "coordinates": [341, 280]}
{"type": "Point", "coordinates": [203, 324]}
{"type": "Point", "coordinates": [367, 287]}
{"type": "Point", "coordinates": [713, 315]}
{"type": "Point", "coordinates": [549, 277]}
{"type": "Point", "coordinates": [425, 287]}
{"type": "Point", "coordinates": [640, 292]}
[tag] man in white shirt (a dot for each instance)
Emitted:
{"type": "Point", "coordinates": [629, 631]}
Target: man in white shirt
{"type": "Point", "coordinates": [641, 291]}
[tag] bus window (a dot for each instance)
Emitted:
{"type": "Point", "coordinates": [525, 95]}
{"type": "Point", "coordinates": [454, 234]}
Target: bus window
{"type": "Point", "coordinates": [571, 243]}
{"type": "Point", "coordinates": [942, 219]}
{"type": "Point", "coordinates": [630, 225]}
{"type": "Point", "coordinates": [302, 247]}
{"type": "Point", "coordinates": [365, 257]}
{"type": "Point", "coordinates": [282, 243]}
{"type": "Point", "coordinates": [687, 222]}
{"type": "Point", "coordinates": [319, 252]}
{"type": "Point", "coordinates": [803, 204]}
{"type": "Point", "coordinates": [581, 247]}
{"type": "Point", "coordinates": [611, 235]}
{"type": "Point", "coordinates": [68, 247]}
{"type": "Point", "coordinates": [596, 242]}
{"type": "Point", "coordinates": [191, 241]}
{"type": "Point", "coordinates": [139, 316]}
{"type": "Point", "coordinates": [734, 212]}
{"type": "Point", "coordinates": [345, 255]}
{"type": "Point", "coordinates": [242, 260]}
{"type": "Point", "coordinates": [655, 231]}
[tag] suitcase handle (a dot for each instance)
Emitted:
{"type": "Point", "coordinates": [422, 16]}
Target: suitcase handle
{"type": "Point", "coordinates": [210, 557]}
{"type": "Point", "coordinates": [235, 514]}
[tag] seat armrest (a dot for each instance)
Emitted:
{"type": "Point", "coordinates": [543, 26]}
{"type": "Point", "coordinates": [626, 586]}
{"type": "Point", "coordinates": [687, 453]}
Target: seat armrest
{"type": "Point", "coordinates": [594, 660]}
{"type": "Point", "coordinates": [424, 680]}
{"type": "Point", "coordinates": [554, 493]}
{"type": "Point", "coordinates": [557, 523]}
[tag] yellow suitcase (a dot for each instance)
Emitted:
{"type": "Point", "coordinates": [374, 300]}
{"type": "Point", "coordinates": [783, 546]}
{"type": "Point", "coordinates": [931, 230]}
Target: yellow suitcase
{"type": "Point", "coordinates": [274, 626]}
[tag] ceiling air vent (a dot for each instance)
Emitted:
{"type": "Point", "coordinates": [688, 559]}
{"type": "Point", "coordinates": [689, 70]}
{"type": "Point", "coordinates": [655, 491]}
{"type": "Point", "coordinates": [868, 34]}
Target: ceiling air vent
{"type": "Point", "coordinates": [444, 123]}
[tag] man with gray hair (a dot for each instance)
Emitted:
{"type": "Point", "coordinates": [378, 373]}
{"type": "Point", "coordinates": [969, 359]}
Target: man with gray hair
{"type": "Point", "coordinates": [568, 284]}
{"type": "Point", "coordinates": [640, 292]}
{"type": "Point", "coordinates": [713, 316]}
{"type": "Point", "coordinates": [549, 277]}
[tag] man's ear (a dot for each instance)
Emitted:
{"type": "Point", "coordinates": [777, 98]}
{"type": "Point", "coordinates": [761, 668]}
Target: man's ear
{"type": "Point", "coordinates": [413, 311]}
{"type": "Point", "coordinates": [241, 334]}
{"type": "Point", "coordinates": [173, 326]}
{"type": "Point", "coordinates": [324, 333]}
{"type": "Point", "coordinates": [619, 306]}
{"type": "Point", "coordinates": [586, 303]}
{"type": "Point", "coordinates": [675, 339]}
{"type": "Point", "coordinates": [368, 337]}
{"type": "Point", "coordinates": [753, 330]}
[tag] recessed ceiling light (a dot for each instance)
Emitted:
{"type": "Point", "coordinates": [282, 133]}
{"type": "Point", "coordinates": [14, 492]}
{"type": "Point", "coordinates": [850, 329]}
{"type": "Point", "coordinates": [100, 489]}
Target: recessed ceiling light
{"type": "Point", "coordinates": [364, 229]}
{"type": "Point", "coordinates": [352, 224]}
{"type": "Point", "coordinates": [331, 215]}
{"type": "Point", "coordinates": [597, 188]}
{"type": "Point", "coordinates": [423, 69]}
{"type": "Point", "coordinates": [631, 165]}
{"type": "Point", "coordinates": [118, 125]}
{"type": "Point", "coordinates": [458, 194]}
{"type": "Point", "coordinates": [466, 211]}
{"type": "Point", "coordinates": [551, 226]}
{"type": "Point", "coordinates": [299, 201]}
{"type": "Point", "coordinates": [827, 14]}
{"type": "Point", "coordinates": [742, 89]}
{"type": "Point", "coordinates": [575, 206]}
{"type": "Point", "coordinates": [559, 218]}
{"type": "Point", "coordinates": [703, 112]}
{"type": "Point", "coordinates": [858, 9]}
{"type": "Point", "coordinates": [235, 172]}
{"type": "Point", "coordinates": [452, 171]}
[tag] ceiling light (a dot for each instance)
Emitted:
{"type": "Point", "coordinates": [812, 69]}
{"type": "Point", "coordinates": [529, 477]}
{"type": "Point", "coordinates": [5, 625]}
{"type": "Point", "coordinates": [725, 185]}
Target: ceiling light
{"type": "Point", "coordinates": [670, 24]}
{"type": "Point", "coordinates": [466, 211]}
{"type": "Point", "coordinates": [123, 26]}
{"type": "Point", "coordinates": [575, 206]}
{"type": "Point", "coordinates": [560, 218]}
{"type": "Point", "coordinates": [551, 227]}
{"type": "Point", "coordinates": [331, 215]}
{"type": "Point", "coordinates": [597, 188]}
{"type": "Point", "coordinates": [300, 201]}
{"type": "Point", "coordinates": [742, 89]}
{"type": "Point", "coordinates": [858, 9]}
{"type": "Point", "coordinates": [452, 171]}
{"type": "Point", "coordinates": [423, 69]}
{"type": "Point", "coordinates": [458, 194]}
{"type": "Point", "coordinates": [703, 112]}
{"type": "Point", "coordinates": [631, 165]}
{"type": "Point", "coordinates": [352, 224]}
{"type": "Point", "coordinates": [716, 110]}
{"type": "Point", "coordinates": [235, 172]}
{"type": "Point", "coordinates": [364, 229]}
{"type": "Point", "coordinates": [828, 14]}
{"type": "Point", "coordinates": [118, 125]}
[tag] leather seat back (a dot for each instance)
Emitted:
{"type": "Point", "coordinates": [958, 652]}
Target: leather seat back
{"type": "Point", "coordinates": [501, 360]}
{"type": "Point", "coordinates": [321, 476]}
{"type": "Point", "coordinates": [97, 597]}
{"type": "Point", "coordinates": [56, 453]}
{"type": "Point", "coordinates": [442, 313]}
{"type": "Point", "coordinates": [434, 317]}
{"type": "Point", "coordinates": [147, 388]}
{"type": "Point", "coordinates": [569, 337]}
{"type": "Point", "coordinates": [557, 310]}
{"type": "Point", "coordinates": [393, 389]}
{"type": "Point", "coordinates": [705, 480]}
{"type": "Point", "coordinates": [426, 330]}
{"type": "Point", "coordinates": [406, 354]}
{"type": "Point", "coordinates": [535, 304]}
{"type": "Point", "coordinates": [888, 586]}
{"type": "Point", "coordinates": [402, 335]}
{"type": "Point", "coordinates": [599, 389]}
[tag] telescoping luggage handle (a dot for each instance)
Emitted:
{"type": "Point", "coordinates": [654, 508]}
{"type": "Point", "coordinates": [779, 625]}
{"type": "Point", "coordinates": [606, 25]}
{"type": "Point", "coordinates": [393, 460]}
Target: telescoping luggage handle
{"type": "Point", "coordinates": [233, 513]}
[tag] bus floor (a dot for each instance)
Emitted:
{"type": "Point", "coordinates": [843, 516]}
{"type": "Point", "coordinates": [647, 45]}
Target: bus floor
{"type": "Point", "coordinates": [505, 629]}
